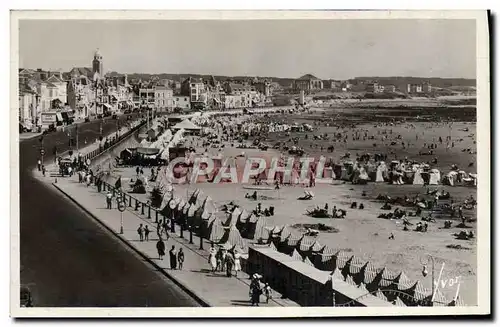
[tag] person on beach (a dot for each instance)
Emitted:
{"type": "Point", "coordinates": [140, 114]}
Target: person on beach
{"type": "Point", "coordinates": [173, 258]}
{"type": "Point", "coordinates": [140, 231]}
{"type": "Point", "coordinates": [146, 233]}
{"type": "Point", "coordinates": [160, 247]}
{"type": "Point", "coordinates": [180, 258]}
{"type": "Point", "coordinates": [109, 200]}
{"type": "Point", "coordinates": [212, 260]}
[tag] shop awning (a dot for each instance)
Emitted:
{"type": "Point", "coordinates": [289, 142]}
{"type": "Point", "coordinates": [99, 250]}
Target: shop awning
{"type": "Point", "coordinates": [59, 116]}
{"type": "Point", "coordinates": [107, 105]}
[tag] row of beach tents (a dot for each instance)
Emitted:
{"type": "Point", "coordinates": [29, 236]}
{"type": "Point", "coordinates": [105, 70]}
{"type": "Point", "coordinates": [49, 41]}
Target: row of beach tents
{"type": "Point", "coordinates": [231, 230]}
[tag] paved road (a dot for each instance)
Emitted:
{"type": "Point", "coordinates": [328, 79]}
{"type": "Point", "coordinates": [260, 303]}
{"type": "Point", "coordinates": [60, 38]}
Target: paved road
{"type": "Point", "coordinates": [67, 259]}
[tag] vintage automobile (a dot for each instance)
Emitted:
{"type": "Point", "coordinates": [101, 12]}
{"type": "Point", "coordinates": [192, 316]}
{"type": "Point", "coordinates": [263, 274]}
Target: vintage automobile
{"type": "Point", "coordinates": [64, 164]}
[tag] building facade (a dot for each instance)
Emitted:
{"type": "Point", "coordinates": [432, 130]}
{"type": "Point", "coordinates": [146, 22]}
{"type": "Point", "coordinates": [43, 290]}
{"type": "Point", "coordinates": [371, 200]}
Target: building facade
{"type": "Point", "coordinates": [374, 87]}
{"type": "Point", "coordinates": [164, 101]}
{"type": "Point", "coordinates": [389, 89]}
{"type": "Point", "coordinates": [182, 102]}
{"type": "Point", "coordinates": [196, 89]}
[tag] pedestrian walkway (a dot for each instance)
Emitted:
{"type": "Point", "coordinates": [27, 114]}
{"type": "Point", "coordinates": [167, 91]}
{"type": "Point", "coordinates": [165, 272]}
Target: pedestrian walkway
{"type": "Point", "coordinates": [28, 135]}
{"type": "Point", "coordinates": [196, 276]}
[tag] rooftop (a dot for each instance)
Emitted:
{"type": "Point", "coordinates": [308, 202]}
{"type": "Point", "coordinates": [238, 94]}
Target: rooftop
{"type": "Point", "coordinates": [307, 77]}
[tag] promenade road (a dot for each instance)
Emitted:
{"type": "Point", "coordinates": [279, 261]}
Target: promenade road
{"type": "Point", "coordinates": [214, 289]}
{"type": "Point", "coordinates": [67, 259]}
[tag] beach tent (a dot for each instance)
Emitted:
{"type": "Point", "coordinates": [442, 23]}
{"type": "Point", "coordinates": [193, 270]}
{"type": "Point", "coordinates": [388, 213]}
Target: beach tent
{"type": "Point", "coordinates": [215, 230]}
{"type": "Point", "coordinates": [434, 177]}
{"type": "Point", "coordinates": [381, 172]}
{"type": "Point", "coordinates": [233, 237]}
{"type": "Point", "coordinates": [260, 231]}
{"type": "Point", "coordinates": [186, 125]}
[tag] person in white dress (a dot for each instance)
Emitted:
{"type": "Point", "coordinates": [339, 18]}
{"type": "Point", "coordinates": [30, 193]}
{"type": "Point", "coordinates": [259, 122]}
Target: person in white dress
{"type": "Point", "coordinates": [212, 259]}
{"type": "Point", "coordinates": [237, 262]}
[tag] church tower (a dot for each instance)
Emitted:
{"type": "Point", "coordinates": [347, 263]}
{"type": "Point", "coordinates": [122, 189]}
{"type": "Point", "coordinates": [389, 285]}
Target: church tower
{"type": "Point", "coordinates": [97, 63]}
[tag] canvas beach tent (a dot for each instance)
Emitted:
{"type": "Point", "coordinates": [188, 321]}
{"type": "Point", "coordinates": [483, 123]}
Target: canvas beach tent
{"type": "Point", "coordinates": [434, 177]}
{"type": "Point", "coordinates": [417, 177]}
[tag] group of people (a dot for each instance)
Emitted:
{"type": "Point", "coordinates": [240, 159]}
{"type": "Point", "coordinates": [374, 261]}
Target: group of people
{"type": "Point", "coordinates": [222, 259]}
{"type": "Point", "coordinates": [176, 258]}
{"type": "Point", "coordinates": [257, 289]}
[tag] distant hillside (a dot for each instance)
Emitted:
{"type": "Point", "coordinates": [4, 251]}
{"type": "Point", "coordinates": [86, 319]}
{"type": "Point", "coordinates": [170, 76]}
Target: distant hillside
{"type": "Point", "coordinates": [180, 77]}
{"type": "Point", "coordinates": [398, 81]}
{"type": "Point", "coordinates": [405, 80]}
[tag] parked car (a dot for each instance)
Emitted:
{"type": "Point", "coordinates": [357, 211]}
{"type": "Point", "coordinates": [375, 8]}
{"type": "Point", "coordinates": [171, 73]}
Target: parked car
{"type": "Point", "coordinates": [51, 129]}
{"type": "Point", "coordinates": [26, 297]}
{"type": "Point", "coordinates": [127, 111]}
{"type": "Point", "coordinates": [87, 119]}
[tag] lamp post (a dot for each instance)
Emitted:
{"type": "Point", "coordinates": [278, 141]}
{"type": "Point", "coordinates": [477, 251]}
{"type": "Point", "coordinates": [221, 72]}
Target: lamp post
{"type": "Point", "coordinates": [425, 273]}
{"type": "Point", "coordinates": [201, 236]}
{"type": "Point", "coordinates": [190, 234]}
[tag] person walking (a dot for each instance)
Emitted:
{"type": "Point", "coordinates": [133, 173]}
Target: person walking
{"type": "Point", "coordinates": [180, 258]}
{"type": "Point", "coordinates": [137, 170]}
{"type": "Point", "coordinates": [160, 247]}
{"type": "Point", "coordinates": [229, 264]}
{"type": "Point", "coordinates": [255, 291]}
{"type": "Point", "coordinates": [109, 200]}
{"type": "Point", "coordinates": [218, 259]}
{"type": "Point", "coordinates": [140, 231]}
{"type": "Point", "coordinates": [173, 258]}
{"type": "Point", "coordinates": [237, 262]}
{"type": "Point", "coordinates": [165, 228]}
{"type": "Point", "coordinates": [268, 292]}
{"type": "Point", "coordinates": [43, 170]}
{"type": "Point", "coordinates": [158, 228]}
{"type": "Point", "coordinates": [39, 165]}
{"type": "Point", "coordinates": [146, 233]}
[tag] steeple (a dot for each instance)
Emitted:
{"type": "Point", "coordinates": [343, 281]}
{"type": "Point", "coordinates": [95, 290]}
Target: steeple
{"type": "Point", "coordinates": [97, 63]}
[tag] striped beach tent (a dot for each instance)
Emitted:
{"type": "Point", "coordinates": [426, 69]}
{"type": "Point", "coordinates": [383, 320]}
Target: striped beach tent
{"type": "Point", "coordinates": [215, 230]}
{"type": "Point", "coordinates": [380, 295]}
{"type": "Point", "coordinates": [337, 274]}
{"type": "Point", "coordinates": [397, 302]}
{"type": "Point", "coordinates": [350, 281]}
{"type": "Point", "coordinates": [296, 256]}
{"type": "Point", "coordinates": [307, 261]}
{"type": "Point", "coordinates": [233, 237]}
{"type": "Point", "coordinates": [261, 232]}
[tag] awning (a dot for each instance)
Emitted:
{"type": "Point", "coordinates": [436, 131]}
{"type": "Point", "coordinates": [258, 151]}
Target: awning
{"type": "Point", "coordinates": [148, 151]}
{"type": "Point", "coordinates": [216, 100]}
{"type": "Point", "coordinates": [107, 105]}
{"type": "Point", "coordinates": [59, 116]}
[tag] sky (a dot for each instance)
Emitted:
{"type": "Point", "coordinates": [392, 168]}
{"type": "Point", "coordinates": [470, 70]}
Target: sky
{"type": "Point", "coordinates": [328, 49]}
